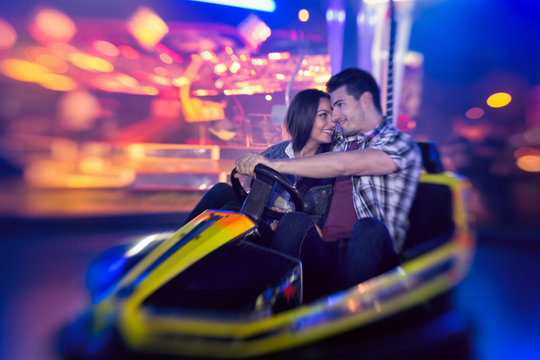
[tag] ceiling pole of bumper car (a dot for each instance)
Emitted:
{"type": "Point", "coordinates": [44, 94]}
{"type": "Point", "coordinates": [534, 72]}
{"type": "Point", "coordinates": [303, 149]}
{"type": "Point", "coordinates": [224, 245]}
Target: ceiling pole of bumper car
{"type": "Point", "coordinates": [363, 34]}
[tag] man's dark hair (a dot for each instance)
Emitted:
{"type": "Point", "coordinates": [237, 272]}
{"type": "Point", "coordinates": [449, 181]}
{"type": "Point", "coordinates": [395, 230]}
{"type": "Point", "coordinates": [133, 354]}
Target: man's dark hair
{"type": "Point", "coordinates": [357, 82]}
{"type": "Point", "coordinates": [301, 115]}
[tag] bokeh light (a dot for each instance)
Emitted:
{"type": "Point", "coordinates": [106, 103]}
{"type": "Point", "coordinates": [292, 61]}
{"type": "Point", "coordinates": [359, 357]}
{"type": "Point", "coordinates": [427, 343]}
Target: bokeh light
{"type": "Point", "coordinates": [22, 70]}
{"type": "Point", "coordinates": [106, 48]}
{"type": "Point", "coordinates": [50, 25]}
{"type": "Point", "coordinates": [499, 100]}
{"type": "Point", "coordinates": [147, 27]}
{"type": "Point", "coordinates": [474, 113]}
{"type": "Point", "coordinates": [52, 62]}
{"type": "Point", "coordinates": [254, 30]}
{"type": "Point", "coordinates": [532, 136]}
{"type": "Point", "coordinates": [8, 35]}
{"type": "Point", "coordinates": [529, 163]}
{"type": "Point", "coordinates": [62, 50]}
{"type": "Point", "coordinates": [220, 68]}
{"type": "Point", "coordinates": [180, 81]}
{"type": "Point", "coordinates": [528, 159]}
{"type": "Point", "coordinates": [166, 58]}
{"type": "Point", "coordinates": [126, 80]}
{"type": "Point", "coordinates": [91, 164]}
{"type": "Point", "coordinates": [235, 66]}
{"type": "Point", "coordinates": [57, 82]}
{"type": "Point", "coordinates": [525, 151]}
{"type": "Point", "coordinates": [303, 15]}
{"type": "Point", "coordinates": [160, 80]}
{"type": "Point", "coordinates": [161, 71]}
{"type": "Point", "coordinates": [279, 55]}
{"type": "Point", "coordinates": [149, 90]}
{"type": "Point", "coordinates": [208, 55]}
{"type": "Point", "coordinates": [128, 52]}
{"type": "Point", "coordinates": [91, 63]}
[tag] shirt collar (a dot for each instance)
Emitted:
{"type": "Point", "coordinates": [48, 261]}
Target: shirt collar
{"type": "Point", "coordinates": [289, 150]}
{"type": "Point", "coordinates": [371, 134]}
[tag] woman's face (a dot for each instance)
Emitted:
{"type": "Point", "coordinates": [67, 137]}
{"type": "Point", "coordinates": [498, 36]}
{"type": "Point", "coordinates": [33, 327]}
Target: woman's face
{"type": "Point", "coordinates": [323, 127]}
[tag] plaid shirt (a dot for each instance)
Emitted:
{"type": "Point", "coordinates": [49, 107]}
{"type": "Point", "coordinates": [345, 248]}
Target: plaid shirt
{"type": "Point", "coordinates": [387, 197]}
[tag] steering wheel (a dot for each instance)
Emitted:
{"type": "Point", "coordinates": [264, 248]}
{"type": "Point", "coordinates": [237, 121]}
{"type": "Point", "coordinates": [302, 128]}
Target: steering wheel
{"type": "Point", "coordinates": [252, 203]}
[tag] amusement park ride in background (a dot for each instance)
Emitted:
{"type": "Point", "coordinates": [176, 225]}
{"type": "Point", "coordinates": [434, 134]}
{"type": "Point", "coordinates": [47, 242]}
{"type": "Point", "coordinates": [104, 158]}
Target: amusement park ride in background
{"type": "Point", "coordinates": [174, 103]}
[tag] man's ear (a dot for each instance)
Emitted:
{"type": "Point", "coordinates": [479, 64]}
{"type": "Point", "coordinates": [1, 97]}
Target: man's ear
{"type": "Point", "coordinates": [366, 99]}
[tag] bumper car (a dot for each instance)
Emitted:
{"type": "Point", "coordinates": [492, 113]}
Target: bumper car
{"type": "Point", "coordinates": [213, 289]}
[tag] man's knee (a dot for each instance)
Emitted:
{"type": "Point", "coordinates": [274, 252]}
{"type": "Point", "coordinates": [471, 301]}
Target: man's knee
{"type": "Point", "coordinates": [370, 251]}
{"type": "Point", "coordinates": [370, 225]}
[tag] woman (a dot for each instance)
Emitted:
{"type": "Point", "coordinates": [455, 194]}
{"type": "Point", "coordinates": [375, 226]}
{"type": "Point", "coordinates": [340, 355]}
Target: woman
{"type": "Point", "coordinates": [308, 120]}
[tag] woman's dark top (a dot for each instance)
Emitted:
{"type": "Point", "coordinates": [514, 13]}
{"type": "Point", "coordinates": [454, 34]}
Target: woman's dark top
{"type": "Point", "coordinates": [317, 193]}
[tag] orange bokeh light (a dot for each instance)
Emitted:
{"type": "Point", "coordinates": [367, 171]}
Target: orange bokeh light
{"type": "Point", "coordinates": [181, 81]}
{"type": "Point", "coordinates": [22, 70]}
{"type": "Point", "coordinates": [91, 63]}
{"type": "Point", "coordinates": [149, 90]}
{"type": "Point", "coordinates": [125, 80]}
{"type": "Point", "coordinates": [31, 72]}
{"type": "Point", "coordinates": [54, 63]}
{"type": "Point", "coordinates": [51, 25]}
{"type": "Point", "coordinates": [499, 100]}
{"type": "Point", "coordinates": [529, 163]}
{"type": "Point", "coordinates": [411, 124]}
{"type": "Point", "coordinates": [160, 80]}
{"type": "Point", "coordinates": [57, 82]}
{"type": "Point", "coordinates": [62, 49]}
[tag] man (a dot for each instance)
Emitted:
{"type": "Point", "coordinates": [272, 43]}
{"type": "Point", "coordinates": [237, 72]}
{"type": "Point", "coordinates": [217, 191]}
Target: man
{"type": "Point", "coordinates": [376, 168]}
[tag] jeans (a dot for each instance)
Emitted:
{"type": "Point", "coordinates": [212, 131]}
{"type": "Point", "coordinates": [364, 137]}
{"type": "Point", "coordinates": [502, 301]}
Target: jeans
{"type": "Point", "coordinates": [332, 266]}
{"type": "Point", "coordinates": [220, 196]}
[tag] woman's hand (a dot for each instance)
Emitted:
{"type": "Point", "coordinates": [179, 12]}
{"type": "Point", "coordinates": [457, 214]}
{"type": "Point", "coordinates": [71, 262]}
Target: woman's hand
{"type": "Point", "coordinates": [273, 224]}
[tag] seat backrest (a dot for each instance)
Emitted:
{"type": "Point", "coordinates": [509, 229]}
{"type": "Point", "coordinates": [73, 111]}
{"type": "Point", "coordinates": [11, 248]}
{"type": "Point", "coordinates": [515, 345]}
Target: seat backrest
{"type": "Point", "coordinates": [430, 217]}
{"type": "Point", "coordinates": [431, 161]}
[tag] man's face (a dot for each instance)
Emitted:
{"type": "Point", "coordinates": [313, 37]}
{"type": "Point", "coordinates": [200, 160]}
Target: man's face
{"type": "Point", "coordinates": [347, 112]}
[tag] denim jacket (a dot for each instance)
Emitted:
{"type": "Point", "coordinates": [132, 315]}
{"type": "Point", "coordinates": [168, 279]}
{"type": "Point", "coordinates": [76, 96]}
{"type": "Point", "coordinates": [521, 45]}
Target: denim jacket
{"type": "Point", "coordinates": [317, 193]}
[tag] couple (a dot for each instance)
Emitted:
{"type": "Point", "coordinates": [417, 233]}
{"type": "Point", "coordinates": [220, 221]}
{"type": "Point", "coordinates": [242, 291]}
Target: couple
{"type": "Point", "coordinates": [357, 232]}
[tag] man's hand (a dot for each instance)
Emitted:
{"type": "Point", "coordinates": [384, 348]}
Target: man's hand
{"type": "Point", "coordinates": [245, 166]}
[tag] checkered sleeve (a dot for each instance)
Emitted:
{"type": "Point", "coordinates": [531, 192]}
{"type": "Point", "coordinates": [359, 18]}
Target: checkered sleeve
{"type": "Point", "coordinates": [401, 147]}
